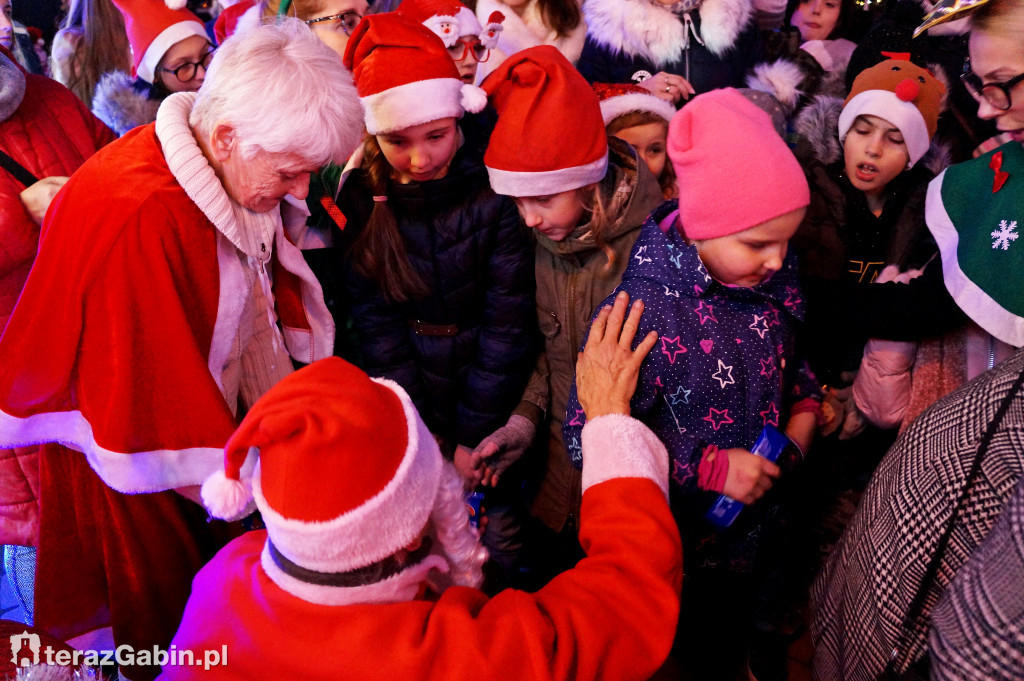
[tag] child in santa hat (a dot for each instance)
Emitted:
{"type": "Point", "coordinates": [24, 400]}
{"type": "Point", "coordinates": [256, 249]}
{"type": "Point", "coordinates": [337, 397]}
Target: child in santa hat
{"type": "Point", "coordinates": [584, 196]}
{"type": "Point", "coordinates": [633, 114]}
{"type": "Point", "coordinates": [468, 43]}
{"type": "Point", "coordinates": [171, 53]}
{"type": "Point", "coordinates": [721, 291]}
{"type": "Point", "coordinates": [439, 271]}
{"type": "Point", "coordinates": [366, 526]}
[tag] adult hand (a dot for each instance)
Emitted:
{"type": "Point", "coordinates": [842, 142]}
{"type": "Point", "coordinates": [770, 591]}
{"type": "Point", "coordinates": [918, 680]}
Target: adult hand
{"type": "Point", "coordinates": [668, 86]}
{"type": "Point", "coordinates": [503, 447]}
{"type": "Point", "coordinates": [607, 369]}
{"type": "Point", "coordinates": [749, 477]}
{"type": "Point", "coordinates": [38, 196]}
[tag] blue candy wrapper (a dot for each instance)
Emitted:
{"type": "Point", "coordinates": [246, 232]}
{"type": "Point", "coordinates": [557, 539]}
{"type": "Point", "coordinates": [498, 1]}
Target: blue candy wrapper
{"type": "Point", "coordinates": [473, 501]}
{"type": "Point", "coordinates": [770, 445]}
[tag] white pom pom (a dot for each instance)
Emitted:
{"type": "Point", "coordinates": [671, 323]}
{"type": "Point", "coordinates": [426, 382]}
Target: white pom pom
{"type": "Point", "coordinates": [474, 99]}
{"type": "Point", "coordinates": [225, 498]}
{"type": "Point", "coordinates": [175, 4]}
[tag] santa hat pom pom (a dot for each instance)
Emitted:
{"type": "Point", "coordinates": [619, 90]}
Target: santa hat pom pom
{"type": "Point", "coordinates": [474, 99]}
{"type": "Point", "coordinates": [225, 497]}
{"type": "Point", "coordinates": [175, 4]}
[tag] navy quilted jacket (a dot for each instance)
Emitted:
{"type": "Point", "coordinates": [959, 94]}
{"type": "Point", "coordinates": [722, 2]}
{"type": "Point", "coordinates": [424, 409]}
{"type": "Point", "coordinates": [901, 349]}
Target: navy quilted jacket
{"type": "Point", "coordinates": [724, 365]}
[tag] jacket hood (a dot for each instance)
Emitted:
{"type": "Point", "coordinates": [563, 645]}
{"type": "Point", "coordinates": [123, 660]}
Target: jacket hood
{"type": "Point", "coordinates": [668, 261]}
{"type": "Point", "coordinates": [120, 105]}
{"type": "Point", "coordinates": [12, 85]}
{"type": "Point", "coordinates": [818, 126]}
{"type": "Point", "coordinates": [628, 190]}
{"type": "Point", "coordinates": [654, 32]}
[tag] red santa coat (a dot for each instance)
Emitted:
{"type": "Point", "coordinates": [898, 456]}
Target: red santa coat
{"type": "Point", "coordinates": [118, 349]}
{"type": "Point", "coordinates": [610, 617]}
{"type": "Point", "coordinates": [49, 132]}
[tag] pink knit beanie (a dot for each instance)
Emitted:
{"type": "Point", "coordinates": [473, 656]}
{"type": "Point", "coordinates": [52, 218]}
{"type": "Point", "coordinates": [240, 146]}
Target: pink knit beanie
{"type": "Point", "coordinates": [733, 169]}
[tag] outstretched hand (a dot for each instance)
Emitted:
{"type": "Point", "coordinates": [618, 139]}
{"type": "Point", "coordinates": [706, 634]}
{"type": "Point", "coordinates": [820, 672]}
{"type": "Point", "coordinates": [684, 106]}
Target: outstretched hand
{"type": "Point", "coordinates": [607, 369]}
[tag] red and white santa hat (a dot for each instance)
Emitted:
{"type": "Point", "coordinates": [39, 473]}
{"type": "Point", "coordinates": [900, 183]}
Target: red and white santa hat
{"type": "Point", "coordinates": [550, 136]}
{"type": "Point", "coordinates": [404, 75]}
{"type": "Point", "coordinates": [619, 99]}
{"type": "Point", "coordinates": [153, 27]}
{"type": "Point", "coordinates": [451, 20]}
{"type": "Point", "coordinates": [347, 476]}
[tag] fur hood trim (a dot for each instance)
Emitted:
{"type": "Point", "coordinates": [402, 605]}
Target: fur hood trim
{"type": "Point", "coordinates": [652, 31]}
{"type": "Point", "coordinates": [780, 79]}
{"type": "Point", "coordinates": [118, 104]}
{"type": "Point", "coordinates": [12, 87]}
{"type": "Point", "coordinates": [818, 124]}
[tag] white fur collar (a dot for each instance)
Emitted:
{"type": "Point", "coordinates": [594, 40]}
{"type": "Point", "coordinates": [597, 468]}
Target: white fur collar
{"type": "Point", "coordinates": [645, 29]}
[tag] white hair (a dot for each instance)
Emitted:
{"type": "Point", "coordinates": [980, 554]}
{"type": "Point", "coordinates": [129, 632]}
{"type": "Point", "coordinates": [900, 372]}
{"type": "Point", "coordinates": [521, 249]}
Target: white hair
{"type": "Point", "coordinates": [459, 541]}
{"type": "Point", "coordinates": [283, 91]}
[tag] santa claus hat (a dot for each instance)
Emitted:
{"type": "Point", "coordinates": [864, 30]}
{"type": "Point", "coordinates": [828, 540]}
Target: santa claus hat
{"type": "Point", "coordinates": [733, 169]}
{"type": "Point", "coordinates": [975, 213]}
{"type": "Point", "coordinates": [619, 99]}
{"type": "Point", "coordinates": [550, 136]}
{"type": "Point", "coordinates": [153, 27]}
{"type": "Point", "coordinates": [900, 92]}
{"type": "Point", "coordinates": [451, 20]}
{"type": "Point", "coordinates": [347, 475]}
{"type": "Point", "coordinates": [404, 75]}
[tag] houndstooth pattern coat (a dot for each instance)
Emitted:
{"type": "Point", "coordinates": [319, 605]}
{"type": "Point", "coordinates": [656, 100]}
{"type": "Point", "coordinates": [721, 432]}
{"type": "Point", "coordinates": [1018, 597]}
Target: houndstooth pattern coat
{"type": "Point", "coordinates": [862, 596]}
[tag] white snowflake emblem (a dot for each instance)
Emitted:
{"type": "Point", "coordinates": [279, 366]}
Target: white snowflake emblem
{"type": "Point", "coordinates": [1004, 235]}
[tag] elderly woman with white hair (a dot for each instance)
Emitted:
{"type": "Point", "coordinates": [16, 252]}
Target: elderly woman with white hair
{"type": "Point", "coordinates": [164, 301]}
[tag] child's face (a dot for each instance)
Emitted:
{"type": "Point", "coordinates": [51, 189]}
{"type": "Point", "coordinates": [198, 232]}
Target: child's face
{"type": "Point", "coordinates": [752, 256]}
{"type": "Point", "coordinates": [555, 216]}
{"type": "Point", "coordinates": [421, 152]}
{"type": "Point", "coordinates": [874, 154]}
{"type": "Point", "coordinates": [6, 24]}
{"type": "Point", "coordinates": [467, 53]}
{"type": "Point", "coordinates": [650, 143]}
{"type": "Point", "coordinates": [816, 19]}
{"type": "Point", "coordinates": [192, 50]}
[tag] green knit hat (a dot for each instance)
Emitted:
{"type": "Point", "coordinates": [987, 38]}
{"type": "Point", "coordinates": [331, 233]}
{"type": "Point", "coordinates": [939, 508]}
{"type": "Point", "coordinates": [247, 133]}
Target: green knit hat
{"type": "Point", "coordinates": [975, 211]}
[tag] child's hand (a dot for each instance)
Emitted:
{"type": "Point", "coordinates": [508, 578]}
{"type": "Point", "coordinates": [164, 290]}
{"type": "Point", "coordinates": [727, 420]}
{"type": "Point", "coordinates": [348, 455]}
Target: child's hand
{"type": "Point", "coordinates": [749, 476]}
{"type": "Point", "coordinates": [471, 470]}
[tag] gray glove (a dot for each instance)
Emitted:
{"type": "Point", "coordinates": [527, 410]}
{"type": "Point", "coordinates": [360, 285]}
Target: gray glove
{"type": "Point", "coordinates": [504, 447]}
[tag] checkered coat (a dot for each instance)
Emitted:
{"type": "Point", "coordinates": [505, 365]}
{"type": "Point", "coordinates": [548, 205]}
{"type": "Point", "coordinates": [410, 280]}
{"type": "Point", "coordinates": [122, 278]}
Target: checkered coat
{"type": "Point", "coordinates": [862, 596]}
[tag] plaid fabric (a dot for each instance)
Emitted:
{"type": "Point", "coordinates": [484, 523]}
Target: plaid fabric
{"type": "Point", "coordinates": [871, 578]}
{"type": "Point", "coordinates": [978, 626]}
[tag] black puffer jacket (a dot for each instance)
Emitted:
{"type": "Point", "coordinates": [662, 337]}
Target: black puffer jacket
{"type": "Point", "coordinates": [471, 248]}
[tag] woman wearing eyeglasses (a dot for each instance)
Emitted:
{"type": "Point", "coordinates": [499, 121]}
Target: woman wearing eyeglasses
{"type": "Point", "coordinates": [995, 74]}
{"type": "Point", "coordinates": [331, 20]}
{"type": "Point", "coordinates": [171, 53]}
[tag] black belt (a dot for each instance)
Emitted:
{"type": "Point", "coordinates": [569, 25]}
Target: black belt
{"type": "Point", "coordinates": [368, 574]}
{"type": "Point", "coordinates": [424, 329]}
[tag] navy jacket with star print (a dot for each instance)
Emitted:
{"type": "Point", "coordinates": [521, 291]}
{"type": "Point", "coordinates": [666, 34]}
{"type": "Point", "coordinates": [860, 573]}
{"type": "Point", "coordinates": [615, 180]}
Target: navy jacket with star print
{"type": "Point", "coordinates": [724, 364]}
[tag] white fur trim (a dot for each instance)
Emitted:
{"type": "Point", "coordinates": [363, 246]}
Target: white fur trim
{"type": "Point", "coordinates": [412, 104]}
{"type": "Point", "coordinates": [646, 29]}
{"type": "Point", "coordinates": [521, 183]}
{"type": "Point", "coordinates": [175, 4]}
{"type": "Point", "coordinates": [781, 79]}
{"type": "Point", "coordinates": [130, 473]}
{"type": "Point", "coordinates": [886, 105]}
{"type": "Point", "coordinates": [223, 496]}
{"type": "Point", "coordinates": [171, 35]}
{"type": "Point", "coordinates": [316, 342]}
{"type": "Point", "coordinates": [395, 589]}
{"type": "Point", "coordinates": [614, 107]}
{"type": "Point", "coordinates": [619, 446]}
{"type": "Point", "coordinates": [251, 18]}
{"type": "Point", "coordinates": [969, 297]}
{"type": "Point", "coordinates": [382, 525]}
{"type": "Point", "coordinates": [473, 99]}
